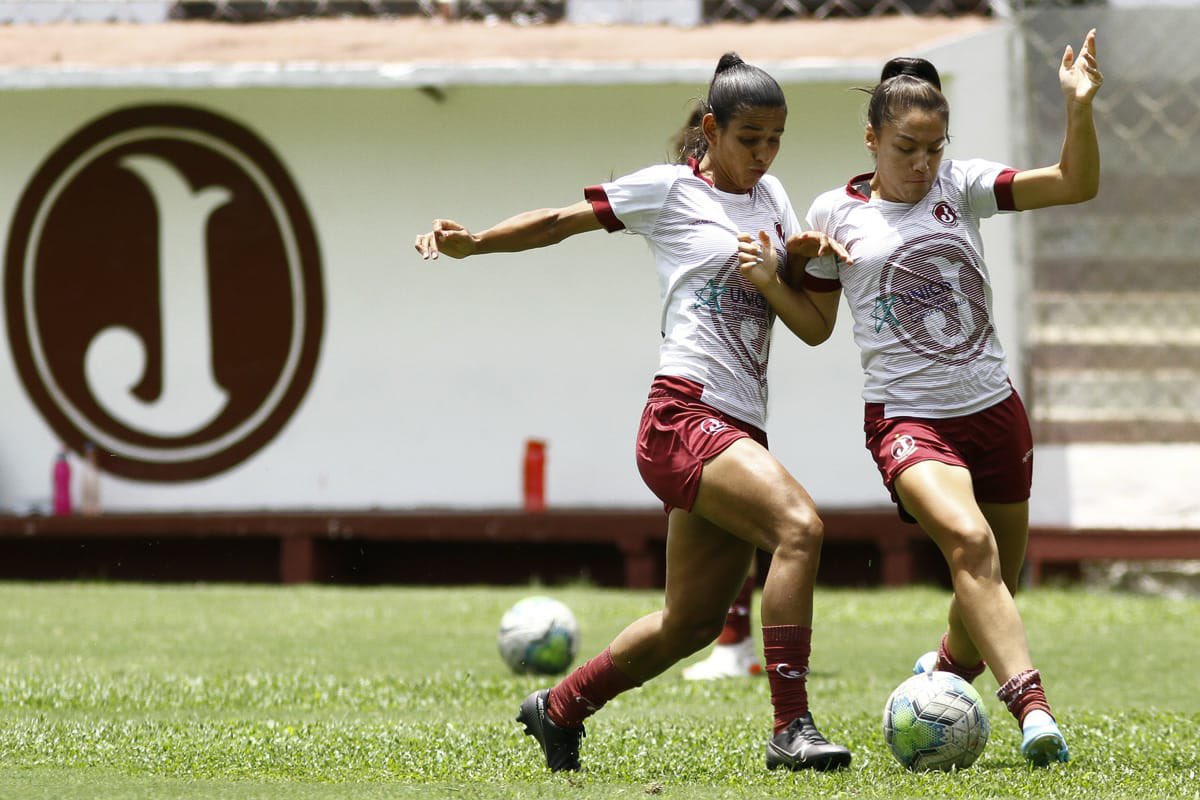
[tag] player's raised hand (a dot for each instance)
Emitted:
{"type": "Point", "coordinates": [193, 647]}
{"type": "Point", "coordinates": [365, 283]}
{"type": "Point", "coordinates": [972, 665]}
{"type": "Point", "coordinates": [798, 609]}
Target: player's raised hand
{"type": "Point", "coordinates": [1080, 77]}
{"type": "Point", "coordinates": [448, 237]}
{"type": "Point", "coordinates": [756, 259]}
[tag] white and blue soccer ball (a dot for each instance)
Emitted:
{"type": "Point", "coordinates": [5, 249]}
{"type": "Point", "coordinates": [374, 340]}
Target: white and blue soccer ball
{"type": "Point", "coordinates": [935, 721]}
{"type": "Point", "coordinates": [538, 635]}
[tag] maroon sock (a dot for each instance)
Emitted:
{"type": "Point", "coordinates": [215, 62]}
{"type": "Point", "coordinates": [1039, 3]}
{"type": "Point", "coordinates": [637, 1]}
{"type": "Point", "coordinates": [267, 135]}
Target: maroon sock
{"type": "Point", "coordinates": [1023, 693]}
{"type": "Point", "coordinates": [946, 663]}
{"type": "Point", "coordinates": [586, 690]}
{"type": "Point", "coordinates": [737, 618]}
{"type": "Point", "coordinates": [786, 649]}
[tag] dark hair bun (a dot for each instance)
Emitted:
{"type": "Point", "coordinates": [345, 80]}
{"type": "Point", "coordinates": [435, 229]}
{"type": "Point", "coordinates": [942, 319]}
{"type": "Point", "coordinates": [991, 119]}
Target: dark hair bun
{"type": "Point", "coordinates": [914, 67]}
{"type": "Point", "coordinates": [728, 61]}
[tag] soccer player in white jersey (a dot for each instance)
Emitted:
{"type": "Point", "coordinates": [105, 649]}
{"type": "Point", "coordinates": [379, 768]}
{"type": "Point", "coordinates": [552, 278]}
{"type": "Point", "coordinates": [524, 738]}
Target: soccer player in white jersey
{"type": "Point", "coordinates": [944, 424]}
{"type": "Point", "coordinates": [705, 414]}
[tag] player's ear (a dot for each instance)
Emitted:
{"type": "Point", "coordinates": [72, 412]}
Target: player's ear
{"type": "Point", "coordinates": [871, 140]}
{"type": "Point", "coordinates": [709, 126]}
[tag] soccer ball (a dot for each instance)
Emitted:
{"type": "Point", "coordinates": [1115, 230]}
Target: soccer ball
{"type": "Point", "coordinates": [538, 634]}
{"type": "Point", "coordinates": [935, 720]}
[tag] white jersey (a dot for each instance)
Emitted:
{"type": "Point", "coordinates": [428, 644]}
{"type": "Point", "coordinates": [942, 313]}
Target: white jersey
{"type": "Point", "coordinates": [918, 290]}
{"type": "Point", "coordinates": [716, 325]}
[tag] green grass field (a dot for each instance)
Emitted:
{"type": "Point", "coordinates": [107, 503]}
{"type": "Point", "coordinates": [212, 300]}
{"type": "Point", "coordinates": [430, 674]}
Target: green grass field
{"type": "Point", "coordinates": [120, 691]}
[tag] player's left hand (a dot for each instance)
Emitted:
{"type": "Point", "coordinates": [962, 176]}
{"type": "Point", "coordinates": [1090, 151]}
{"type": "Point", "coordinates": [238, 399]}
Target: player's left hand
{"type": "Point", "coordinates": [1080, 77]}
{"type": "Point", "coordinates": [757, 260]}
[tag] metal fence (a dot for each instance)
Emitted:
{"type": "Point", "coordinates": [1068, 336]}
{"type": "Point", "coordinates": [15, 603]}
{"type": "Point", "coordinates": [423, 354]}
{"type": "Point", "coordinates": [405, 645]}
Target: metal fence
{"type": "Point", "coordinates": [539, 11]}
{"type": "Point", "coordinates": [1112, 328]}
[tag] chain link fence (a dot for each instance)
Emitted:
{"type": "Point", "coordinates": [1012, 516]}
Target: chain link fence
{"type": "Point", "coordinates": [541, 11]}
{"type": "Point", "coordinates": [1112, 332]}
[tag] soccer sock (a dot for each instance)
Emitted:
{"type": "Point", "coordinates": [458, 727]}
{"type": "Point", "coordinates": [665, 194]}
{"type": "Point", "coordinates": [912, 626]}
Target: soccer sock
{"type": "Point", "coordinates": [946, 663]}
{"type": "Point", "coordinates": [785, 652]}
{"type": "Point", "coordinates": [737, 618]}
{"type": "Point", "coordinates": [586, 690]}
{"type": "Point", "coordinates": [1023, 693]}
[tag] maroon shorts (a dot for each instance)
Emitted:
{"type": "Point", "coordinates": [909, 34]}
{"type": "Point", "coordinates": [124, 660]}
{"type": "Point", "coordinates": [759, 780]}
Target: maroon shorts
{"type": "Point", "coordinates": [995, 445]}
{"type": "Point", "coordinates": [678, 434]}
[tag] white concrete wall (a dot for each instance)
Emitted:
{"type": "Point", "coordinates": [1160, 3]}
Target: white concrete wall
{"type": "Point", "coordinates": [432, 375]}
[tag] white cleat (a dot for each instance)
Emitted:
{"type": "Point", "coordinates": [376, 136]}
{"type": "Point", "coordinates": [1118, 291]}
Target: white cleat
{"type": "Point", "coordinates": [727, 661]}
{"type": "Point", "coordinates": [925, 663]}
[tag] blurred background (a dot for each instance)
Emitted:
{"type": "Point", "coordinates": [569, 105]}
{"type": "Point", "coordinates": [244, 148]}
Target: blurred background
{"type": "Point", "coordinates": [225, 361]}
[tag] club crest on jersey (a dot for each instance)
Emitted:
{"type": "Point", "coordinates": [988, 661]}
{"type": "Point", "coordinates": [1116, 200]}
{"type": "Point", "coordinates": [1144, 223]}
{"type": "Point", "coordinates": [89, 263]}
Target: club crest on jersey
{"type": "Point", "coordinates": [944, 213]}
{"type": "Point", "coordinates": [903, 447]}
{"type": "Point", "coordinates": [713, 425]}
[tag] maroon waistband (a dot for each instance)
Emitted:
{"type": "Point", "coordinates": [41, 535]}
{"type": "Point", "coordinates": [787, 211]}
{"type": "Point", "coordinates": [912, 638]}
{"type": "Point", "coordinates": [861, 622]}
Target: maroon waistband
{"type": "Point", "coordinates": [675, 386]}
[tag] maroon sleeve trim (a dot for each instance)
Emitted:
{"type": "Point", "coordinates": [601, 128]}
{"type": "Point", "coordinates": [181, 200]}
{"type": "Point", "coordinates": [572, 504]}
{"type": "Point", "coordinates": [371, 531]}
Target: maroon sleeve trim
{"type": "Point", "coordinates": [602, 208]}
{"type": "Point", "coordinates": [1004, 190]}
{"type": "Point", "coordinates": [821, 284]}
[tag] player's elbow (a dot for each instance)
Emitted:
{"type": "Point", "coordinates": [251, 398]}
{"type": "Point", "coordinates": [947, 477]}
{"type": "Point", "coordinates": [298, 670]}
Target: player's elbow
{"type": "Point", "coordinates": [815, 336]}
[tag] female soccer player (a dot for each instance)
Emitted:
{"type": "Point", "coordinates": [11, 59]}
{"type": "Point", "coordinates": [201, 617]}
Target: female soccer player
{"type": "Point", "coordinates": [944, 424]}
{"type": "Point", "coordinates": [701, 446]}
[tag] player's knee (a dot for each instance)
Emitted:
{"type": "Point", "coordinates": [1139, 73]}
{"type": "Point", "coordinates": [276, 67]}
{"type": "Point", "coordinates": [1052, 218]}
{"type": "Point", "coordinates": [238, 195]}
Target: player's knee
{"type": "Point", "coordinates": [801, 534]}
{"type": "Point", "coordinates": [973, 549]}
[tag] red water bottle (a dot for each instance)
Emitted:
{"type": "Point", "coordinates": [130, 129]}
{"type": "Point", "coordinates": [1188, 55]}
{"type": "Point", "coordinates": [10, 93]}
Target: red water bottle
{"type": "Point", "coordinates": [62, 484]}
{"type": "Point", "coordinates": [535, 475]}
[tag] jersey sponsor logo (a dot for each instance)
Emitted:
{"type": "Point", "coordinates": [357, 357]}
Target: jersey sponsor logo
{"type": "Point", "coordinates": [710, 295]}
{"type": "Point", "coordinates": [944, 213]}
{"type": "Point", "coordinates": [932, 297]}
{"type": "Point", "coordinates": [713, 425]}
{"type": "Point", "coordinates": [746, 330]}
{"type": "Point", "coordinates": [163, 292]}
{"type": "Point", "coordinates": [903, 447]}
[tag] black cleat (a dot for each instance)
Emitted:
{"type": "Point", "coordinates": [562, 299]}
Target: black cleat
{"type": "Point", "coordinates": [561, 745]}
{"type": "Point", "coordinates": [801, 746]}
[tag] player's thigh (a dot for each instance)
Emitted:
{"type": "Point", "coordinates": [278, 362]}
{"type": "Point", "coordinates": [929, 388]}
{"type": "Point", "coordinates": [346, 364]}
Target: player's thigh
{"type": "Point", "coordinates": [747, 492]}
{"type": "Point", "coordinates": [1010, 526]}
{"type": "Point", "coordinates": [706, 567]}
{"type": "Point", "coordinates": [941, 498]}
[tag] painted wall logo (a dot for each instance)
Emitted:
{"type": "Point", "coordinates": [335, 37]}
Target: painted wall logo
{"type": "Point", "coordinates": [931, 295]}
{"type": "Point", "coordinates": [163, 292]}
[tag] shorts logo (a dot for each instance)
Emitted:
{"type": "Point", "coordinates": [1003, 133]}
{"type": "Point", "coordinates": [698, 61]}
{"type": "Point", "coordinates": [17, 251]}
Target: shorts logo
{"type": "Point", "coordinates": [163, 292]}
{"type": "Point", "coordinates": [713, 425]}
{"type": "Point", "coordinates": [944, 213]}
{"type": "Point", "coordinates": [903, 447]}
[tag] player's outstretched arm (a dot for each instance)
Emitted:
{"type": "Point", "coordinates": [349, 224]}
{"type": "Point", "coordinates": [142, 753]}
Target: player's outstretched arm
{"type": "Point", "coordinates": [525, 231]}
{"type": "Point", "coordinates": [1076, 176]}
{"type": "Point", "coordinates": [811, 316]}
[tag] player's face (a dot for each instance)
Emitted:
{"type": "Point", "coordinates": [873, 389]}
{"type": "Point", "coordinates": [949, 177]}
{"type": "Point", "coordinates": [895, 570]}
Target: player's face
{"type": "Point", "coordinates": [907, 153]}
{"type": "Point", "coordinates": [741, 153]}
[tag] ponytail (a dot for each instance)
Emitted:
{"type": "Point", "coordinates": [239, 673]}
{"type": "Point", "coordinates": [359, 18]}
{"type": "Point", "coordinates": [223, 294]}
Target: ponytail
{"type": "Point", "coordinates": [735, 87]}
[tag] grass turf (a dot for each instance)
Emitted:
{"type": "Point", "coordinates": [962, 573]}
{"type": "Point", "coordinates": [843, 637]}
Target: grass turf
{"type": "Point", "coordinates": [119, 691]}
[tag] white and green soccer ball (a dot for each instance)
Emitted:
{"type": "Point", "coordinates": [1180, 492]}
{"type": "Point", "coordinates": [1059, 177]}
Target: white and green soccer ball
{"type": "Point", "coordinates": [935, 721]}
{"type": "Point", "coordinates": [539, 635]}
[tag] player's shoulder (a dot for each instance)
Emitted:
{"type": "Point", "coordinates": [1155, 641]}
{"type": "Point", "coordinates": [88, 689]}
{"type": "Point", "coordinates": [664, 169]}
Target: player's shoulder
{"type": "Point", "coordinates": [664, 174]}
{"type": "Point", "coordinates": [842, 196]}
{"type": "Point", "coordinates": [964, 169]}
